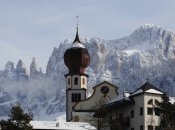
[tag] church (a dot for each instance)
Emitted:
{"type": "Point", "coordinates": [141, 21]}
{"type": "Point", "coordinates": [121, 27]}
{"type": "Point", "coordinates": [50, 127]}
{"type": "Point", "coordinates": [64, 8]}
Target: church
{"type": "Point", "coordinates": [77, 60]}
{"type": "Point", "coordinates": [133, 110]}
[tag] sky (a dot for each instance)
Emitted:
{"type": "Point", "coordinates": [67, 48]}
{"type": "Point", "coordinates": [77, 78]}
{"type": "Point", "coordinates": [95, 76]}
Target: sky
{"type": "Point", "coordinates": [32, 28]}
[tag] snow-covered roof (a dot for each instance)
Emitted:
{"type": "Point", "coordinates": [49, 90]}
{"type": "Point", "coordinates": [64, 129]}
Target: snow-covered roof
{"type": "Point", "coordinates": [153, 91]}
{"type": "Point", "coordinates": [77, 44]}
{"type": "Point", "coordinates": [120, 98]}
{"type": "Point", "coordinates": [148, 88]}
{"type": "Point", "coordinates": [137, 92]}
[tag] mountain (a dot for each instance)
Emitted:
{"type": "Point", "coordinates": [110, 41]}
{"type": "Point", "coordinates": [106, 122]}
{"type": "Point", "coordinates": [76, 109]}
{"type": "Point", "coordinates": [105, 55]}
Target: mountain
{"type": "Point", "coordinates": [148, 53]}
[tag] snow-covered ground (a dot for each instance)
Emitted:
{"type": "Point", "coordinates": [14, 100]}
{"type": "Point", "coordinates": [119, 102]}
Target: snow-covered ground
{"type": "Point", "coordinates": [58, 121]}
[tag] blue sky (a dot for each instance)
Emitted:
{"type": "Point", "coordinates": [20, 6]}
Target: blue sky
{"type": "Point", "coordinates": [33, 28]}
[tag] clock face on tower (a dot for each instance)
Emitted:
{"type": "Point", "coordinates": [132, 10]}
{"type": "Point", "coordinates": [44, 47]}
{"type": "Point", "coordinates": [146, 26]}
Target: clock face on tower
{"type": "Point", "coordinates": [104, 90]}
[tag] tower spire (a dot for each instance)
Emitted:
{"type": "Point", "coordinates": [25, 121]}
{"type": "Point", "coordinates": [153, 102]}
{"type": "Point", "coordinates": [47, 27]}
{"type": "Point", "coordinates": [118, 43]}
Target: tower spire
{"type": "Point", "coordinates": [77, 37]}
{"type": "Point", "coordinates": [77, 20]}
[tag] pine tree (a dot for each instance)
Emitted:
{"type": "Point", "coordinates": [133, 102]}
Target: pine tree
{"type": "Point", "coordinates": [168, 114]}
{"type": "Point", "coordinates": [18, 120]}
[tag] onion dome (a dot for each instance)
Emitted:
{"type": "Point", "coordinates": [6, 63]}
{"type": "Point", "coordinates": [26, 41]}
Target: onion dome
{"type": "Point", "coordinates": [77, 58]}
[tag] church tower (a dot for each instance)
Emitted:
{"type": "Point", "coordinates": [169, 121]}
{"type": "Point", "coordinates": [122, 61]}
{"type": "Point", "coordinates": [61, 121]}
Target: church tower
{"type": "Point", "coordinates": [77, 59]}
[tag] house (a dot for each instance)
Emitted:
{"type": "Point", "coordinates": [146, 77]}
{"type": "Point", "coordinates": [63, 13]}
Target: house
{"type": "Point", "coordinates": [136, 111]}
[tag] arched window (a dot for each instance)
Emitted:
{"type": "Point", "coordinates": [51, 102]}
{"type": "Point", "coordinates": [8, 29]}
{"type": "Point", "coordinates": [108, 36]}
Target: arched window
{"type": "Point", "coordinates": [68, 81]}
{"type": "Point", "coordinates": [150, 102]}
{"type": "Point", "coordinates": [156, 102]}
{"type": "Point", "coordinates": [104, 100]}
{"type": "Point", "coordinates": [83, 81]}
{"type": "Point", "coordinates": [76, 81]}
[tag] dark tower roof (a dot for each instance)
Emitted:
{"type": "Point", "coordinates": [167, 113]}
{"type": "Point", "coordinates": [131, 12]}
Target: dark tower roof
{"type": "Point", "coordinates": [77, 37]}
{"type": "Point", "coordinates": [77, 58]}
{"type": "Point", "coordinates": [148, 86]}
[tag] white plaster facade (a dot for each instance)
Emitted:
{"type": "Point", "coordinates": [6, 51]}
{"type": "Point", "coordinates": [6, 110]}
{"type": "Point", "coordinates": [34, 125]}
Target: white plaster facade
{"type": "Point", "coordinates": [76, 90]}
{"type": "Point", "coordinates": [141, 101]}
{"type": "Point", "coordinates": [76, 82]}
{"type": "Point", "coordinates": [133, 114]}
{"type": "Point", "coordinates": [82, 108]}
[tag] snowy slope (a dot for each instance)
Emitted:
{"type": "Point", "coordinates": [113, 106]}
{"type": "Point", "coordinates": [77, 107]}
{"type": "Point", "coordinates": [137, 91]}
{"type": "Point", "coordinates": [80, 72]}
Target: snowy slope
{"type": "Point", "coordinates": [149, 52]}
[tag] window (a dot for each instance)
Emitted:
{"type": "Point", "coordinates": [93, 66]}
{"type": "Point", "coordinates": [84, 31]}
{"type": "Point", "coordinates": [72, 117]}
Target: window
{"type": "Point", "coordinates": [110, 120]}
{"type": "Point", "coordinates": [121, 118]}
{"type": "Point", "coordinates": [68, 81]}
{"type": "Point", "coordinates": [141, 127]}
{"type": "Point", "coordinates": [73, 97]}
{"type": "Point", "coordinates": [157, 111]}
{"type": "Point", "coordinates": [132, 113]}
{"type": "Point", "coordinates": [157, 128]}
{"type": "Point", "coordinates": [150, 127]}
{"type": "Point", "coordinates": [150, 102]}
{"type": "Point", "coordinates": [141, 111]}
{"type": "Point", "coordinates": [83, 81]}
{"type": "Point", "coordinates": [76, 81]}
{"type": "Point", "coordinates": [132, 128]}
{"type": "Point", "coordinates": [76, 97]}
{"type": "Point", "coordinates": [79, 96]}
{"type": "Point", "coordinates": [156, 102]}
{"type": "Point", "coordinates": [150, 111]}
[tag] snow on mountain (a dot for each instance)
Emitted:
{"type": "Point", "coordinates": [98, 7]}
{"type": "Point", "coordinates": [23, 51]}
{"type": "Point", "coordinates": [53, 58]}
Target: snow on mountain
{"type": "Point", "coordinates": [148, 53]}
{"type": "Point", "coordinates": [34, 72]}
{"type": "Point", "coordinates": [21, 71]}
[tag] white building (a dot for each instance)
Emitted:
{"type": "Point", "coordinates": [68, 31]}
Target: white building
{"type": "Point", "coordinates": [138, 110]}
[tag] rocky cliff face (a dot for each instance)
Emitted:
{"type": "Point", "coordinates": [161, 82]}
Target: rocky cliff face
{"type": "Point", "coordinates": [34, 72]}
{"type": "Point", "coordinates": [148, 53]}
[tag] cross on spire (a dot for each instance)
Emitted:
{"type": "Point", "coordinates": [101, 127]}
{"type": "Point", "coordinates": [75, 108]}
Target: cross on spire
{"type": "Point", "coordinates": [77, 37]}
{"type": "Point", "coordinates": [77, 20]}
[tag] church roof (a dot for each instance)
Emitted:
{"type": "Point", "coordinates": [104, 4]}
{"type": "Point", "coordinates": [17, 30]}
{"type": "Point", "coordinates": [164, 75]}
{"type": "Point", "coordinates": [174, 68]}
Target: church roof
{"type": "Point", "coordinates": [77, 38]}
{"type": "Point", "coordinates": [77, 43]}
{"type": "Point", "coordinates": [148, 88]}
{"type": "Point", "coordinates": [117, 101]}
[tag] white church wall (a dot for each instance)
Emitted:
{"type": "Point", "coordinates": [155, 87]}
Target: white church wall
{"type": "Point", "coordinates": [94, 100]}
{"type": "Point", "coordinates": [70, 103]}
{"type": "Point", "coordinates": [82, 116]}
